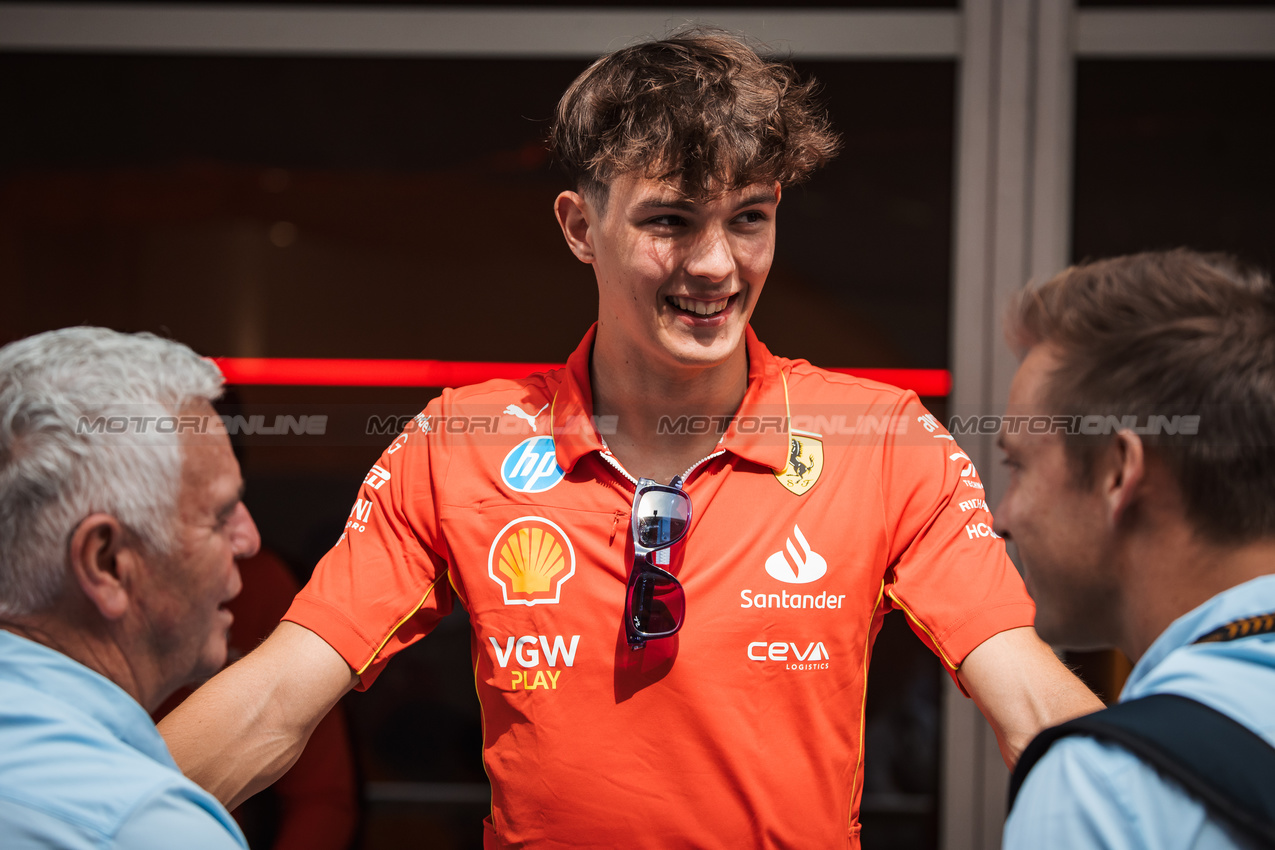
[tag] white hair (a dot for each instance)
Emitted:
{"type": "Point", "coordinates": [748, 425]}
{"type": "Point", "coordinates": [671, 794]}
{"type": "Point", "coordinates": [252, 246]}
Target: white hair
{"type": "Point", "coordinates": [57, 466]}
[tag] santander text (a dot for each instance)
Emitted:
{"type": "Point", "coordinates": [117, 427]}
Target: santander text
{"type": "Point", "coordinates": [784, 599]}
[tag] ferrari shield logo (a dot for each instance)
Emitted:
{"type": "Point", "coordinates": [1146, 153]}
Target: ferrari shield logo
{"type": "Point", "coordinates": [805, 462]}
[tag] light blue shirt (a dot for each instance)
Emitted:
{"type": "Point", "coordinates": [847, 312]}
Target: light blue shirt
{"type": "Point", "coordinates": [1085, 794]}
{"type": "Point", "coordinates": [82, 765]}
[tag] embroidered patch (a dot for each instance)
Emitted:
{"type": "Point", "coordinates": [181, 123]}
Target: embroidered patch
{"type": "Point", "coordinates": [805, 463]}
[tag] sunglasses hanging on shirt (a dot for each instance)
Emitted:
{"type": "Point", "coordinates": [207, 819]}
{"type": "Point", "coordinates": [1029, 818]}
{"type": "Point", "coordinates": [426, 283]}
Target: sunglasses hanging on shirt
{"type": "Point", "coordinates": [655, 603]}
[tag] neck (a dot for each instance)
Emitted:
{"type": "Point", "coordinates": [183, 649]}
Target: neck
{"type": "Point", "coordinates": [641, 396]}
{"type": "Point", "coordinates": [95, 646]}
{"type": "Point", "coordinates": [1176, 571]}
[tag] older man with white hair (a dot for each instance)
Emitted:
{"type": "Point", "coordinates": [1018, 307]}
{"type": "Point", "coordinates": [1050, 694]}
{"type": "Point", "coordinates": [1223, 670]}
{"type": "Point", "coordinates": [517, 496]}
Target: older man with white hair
{"type": "Point", "coordinates": [120, 522]}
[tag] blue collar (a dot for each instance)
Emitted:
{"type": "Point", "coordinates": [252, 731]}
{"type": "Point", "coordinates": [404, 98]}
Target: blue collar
{"type": "Point", "coordinates": [1250, 599]}
{"type": "Point", "coordinates": [47, 671]}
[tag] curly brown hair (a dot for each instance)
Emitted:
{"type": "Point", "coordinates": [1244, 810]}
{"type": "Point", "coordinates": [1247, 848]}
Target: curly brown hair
{"type": "Point", "coordinates": [699, 109]}
{"type": "Point", "coordinates": [1165, 333]}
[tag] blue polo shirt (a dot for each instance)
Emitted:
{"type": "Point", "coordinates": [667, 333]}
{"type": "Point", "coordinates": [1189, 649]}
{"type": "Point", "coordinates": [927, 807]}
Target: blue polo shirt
{"type": "Point", "coordinates": [82, 765]}
{"type": "Point", "coordinates": [1087, 794]}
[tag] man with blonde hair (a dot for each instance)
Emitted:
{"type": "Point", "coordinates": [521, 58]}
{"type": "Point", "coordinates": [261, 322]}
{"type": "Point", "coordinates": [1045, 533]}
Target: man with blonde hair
{"type": "Point", "coordinates": [1146, 522]}
{"type": "Point", "coordinates": [120, 523]}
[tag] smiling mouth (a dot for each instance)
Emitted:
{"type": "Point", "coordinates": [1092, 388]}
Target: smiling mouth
{"type": "Point", "coordinates": [699, 308]}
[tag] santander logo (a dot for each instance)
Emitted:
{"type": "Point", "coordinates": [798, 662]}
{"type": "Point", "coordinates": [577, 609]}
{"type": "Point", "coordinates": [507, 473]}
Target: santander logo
{"type": "Point", "coordinates": [804, 567]}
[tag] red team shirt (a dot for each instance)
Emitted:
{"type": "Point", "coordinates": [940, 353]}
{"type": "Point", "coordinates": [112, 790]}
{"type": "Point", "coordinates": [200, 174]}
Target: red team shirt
{"type": "Point", "coordinates": [830, 501]}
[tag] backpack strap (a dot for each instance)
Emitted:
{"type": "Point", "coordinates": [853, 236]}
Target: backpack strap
{"type": "Point", "coordinates": [1218, 760]}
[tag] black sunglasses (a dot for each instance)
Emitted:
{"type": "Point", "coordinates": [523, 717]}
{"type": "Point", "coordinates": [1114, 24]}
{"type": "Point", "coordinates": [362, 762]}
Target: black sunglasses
{"type": "Point", "coordinates": [655, 604]}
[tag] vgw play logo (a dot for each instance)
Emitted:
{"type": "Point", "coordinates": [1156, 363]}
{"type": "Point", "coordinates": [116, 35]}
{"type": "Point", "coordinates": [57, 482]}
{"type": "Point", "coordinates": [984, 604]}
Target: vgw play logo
{"type": "Point", "coordinates": [532, 466]}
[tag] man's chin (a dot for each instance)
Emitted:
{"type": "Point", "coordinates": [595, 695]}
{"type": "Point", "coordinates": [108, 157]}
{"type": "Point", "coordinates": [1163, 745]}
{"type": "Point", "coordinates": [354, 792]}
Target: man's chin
{"type": "Point", "coordinates": [707, 350]}
{"type": "Point", "coordinates": [210, 664]}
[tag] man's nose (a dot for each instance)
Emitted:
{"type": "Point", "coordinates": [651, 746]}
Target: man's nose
{"type": "Point", "coordinates": [712, 258]}
{"type": "Point", "coordinates": [246, 540]}
{"type": "Point", "coordinates": [998, 523]}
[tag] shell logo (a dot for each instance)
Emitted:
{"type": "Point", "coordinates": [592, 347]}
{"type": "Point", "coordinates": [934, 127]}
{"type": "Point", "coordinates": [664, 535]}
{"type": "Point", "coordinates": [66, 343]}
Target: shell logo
{"type": "Point", "coordinates": [530, 559]}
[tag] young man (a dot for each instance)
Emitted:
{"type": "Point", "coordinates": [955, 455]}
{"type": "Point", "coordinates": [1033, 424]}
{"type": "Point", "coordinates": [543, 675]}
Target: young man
{"type": "Point", "coordinates": [120, 523]}
{"type": "Point", "coordinates": [1149, 524]}
{"type": "Point", "coordinates": [782, 547]}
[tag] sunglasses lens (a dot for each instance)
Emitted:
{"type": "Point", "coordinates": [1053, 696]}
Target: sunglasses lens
{"type": "Point", "coordinates": [662, 518]}
{"type": "Point", "coordinates": [656, 604]}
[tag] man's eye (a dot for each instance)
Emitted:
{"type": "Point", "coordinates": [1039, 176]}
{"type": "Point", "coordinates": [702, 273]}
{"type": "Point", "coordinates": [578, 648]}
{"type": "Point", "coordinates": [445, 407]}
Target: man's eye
{"type": "Point", "coordinates": [667, 221]}
{"type": "Point", "coordinates": [751, 217]}
{"type": "Point", "coordinates": [223, 517]}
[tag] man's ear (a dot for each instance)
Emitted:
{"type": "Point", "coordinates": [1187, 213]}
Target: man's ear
{"type": "Point", "coordinates": [1121, 473]}
{"type": "Point", "coordinates": [573, 217]}
{"type": "Point", "coordinates": [103, 563]}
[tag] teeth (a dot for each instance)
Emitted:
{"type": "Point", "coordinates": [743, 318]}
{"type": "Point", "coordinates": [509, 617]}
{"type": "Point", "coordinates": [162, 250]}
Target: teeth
{"type": "Point", "coordinates": [700, 308]}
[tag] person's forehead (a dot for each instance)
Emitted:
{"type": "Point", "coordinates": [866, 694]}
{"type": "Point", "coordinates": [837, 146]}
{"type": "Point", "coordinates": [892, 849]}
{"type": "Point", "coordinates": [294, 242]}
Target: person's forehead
{"type": "Point", "coordinates": [1027, 398]}
{"type": "Point", "coordinates": [635, 189]}
{"type": "Point", "coordinates": [208, 462]}
{"type": "Point", "coordinates": [1027, 390]}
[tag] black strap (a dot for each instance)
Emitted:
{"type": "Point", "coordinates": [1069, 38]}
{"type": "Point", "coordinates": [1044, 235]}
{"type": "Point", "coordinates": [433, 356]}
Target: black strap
{"type": "Point", "coordinates": [1247, 627]}
{"type": "Point", "coordinates": [1218, 760]}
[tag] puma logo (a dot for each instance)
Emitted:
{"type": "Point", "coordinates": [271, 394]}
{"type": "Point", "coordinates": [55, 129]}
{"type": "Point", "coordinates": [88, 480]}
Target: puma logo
{"type": "Point", "coordinates": [530, 418]}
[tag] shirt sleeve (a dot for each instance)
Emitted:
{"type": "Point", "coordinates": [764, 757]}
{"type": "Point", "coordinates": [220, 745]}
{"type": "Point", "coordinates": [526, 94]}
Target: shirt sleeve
{"type": "Point", "coordinates": [384, 585]}
{"type": "Point", "coordinates": [179, 815]}
{"type": "Point", "coordinates": [949, 572]}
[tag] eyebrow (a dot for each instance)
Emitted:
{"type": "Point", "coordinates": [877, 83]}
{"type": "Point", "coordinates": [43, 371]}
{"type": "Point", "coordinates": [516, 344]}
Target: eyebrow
{"type": "Point", "coordinates": [687, 205]}
{"type": "Point", "coordinates": [758, 198]}
{"type": "Point", "coordinates": [684, 204]}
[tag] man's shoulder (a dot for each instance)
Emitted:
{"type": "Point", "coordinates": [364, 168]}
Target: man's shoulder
{"type": "Point", "coordinates": [489, 407]}
{"type": "Point", "coordinates": [1236, 678]}
{"type": "Point", "coordinates": [531, 395]}
{"type": "Point", "coordinates": [541, 383]}
{"type": "Point", "coordinates": [66, 777]}
{"type": "Point", "coordinates": [807, 382]}
{"type": "Point", "coordinates": [168, 815]}
{"type": "Point", "coordinates": [1099, 788]}
{"type": "Point", "coordinates": [1090, 793]}
{"type": "Point", "coordinates": [1080, 764]}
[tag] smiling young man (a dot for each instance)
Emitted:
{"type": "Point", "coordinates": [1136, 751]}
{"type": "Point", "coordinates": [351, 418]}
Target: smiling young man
{"type": "Point", "coordinates": [672, 434]}
{"type": "Point", "coordinates": [677, 282]}
{"type": "Point", "coordinates": [1147, 523]}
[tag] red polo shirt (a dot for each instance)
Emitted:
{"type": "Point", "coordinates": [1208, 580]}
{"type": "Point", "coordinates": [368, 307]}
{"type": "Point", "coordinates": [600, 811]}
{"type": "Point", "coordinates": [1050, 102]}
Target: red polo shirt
{"type": "Point", "coordinates": [830, 500]}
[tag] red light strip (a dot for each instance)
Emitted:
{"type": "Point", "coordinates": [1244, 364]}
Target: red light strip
{"type": "Point", "coordinates": [927, 382]}
{"type": "Point", "coordinates": [319, 372]}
